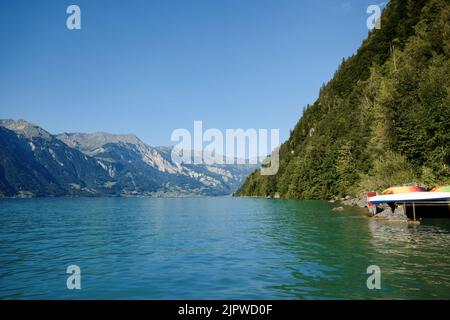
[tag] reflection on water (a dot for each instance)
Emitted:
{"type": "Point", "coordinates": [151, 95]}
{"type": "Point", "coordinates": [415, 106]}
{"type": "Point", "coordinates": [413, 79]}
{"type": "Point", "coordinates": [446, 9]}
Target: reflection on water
{"type": "Point", "coordinates": [415, 254]}
{"type": "Point", "coordinates": [218, 248]}
{"type": "Point", "coordinates": [426, 236]}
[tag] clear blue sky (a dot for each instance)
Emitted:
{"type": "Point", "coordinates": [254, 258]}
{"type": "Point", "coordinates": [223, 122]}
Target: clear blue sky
{"type": "Point", "coordinates": [149, 67]}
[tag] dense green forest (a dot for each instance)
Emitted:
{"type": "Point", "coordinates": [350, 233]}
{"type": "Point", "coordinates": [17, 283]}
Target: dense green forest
{"type": "Point", "coordinates": [384, 118]}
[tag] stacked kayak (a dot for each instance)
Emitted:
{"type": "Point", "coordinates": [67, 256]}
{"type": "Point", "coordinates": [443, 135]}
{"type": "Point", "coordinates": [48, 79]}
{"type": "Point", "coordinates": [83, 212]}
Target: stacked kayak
{"type": "Point", "coordinates": [405, 189]}
{"type": "Point", "coordinates": [411, 194]}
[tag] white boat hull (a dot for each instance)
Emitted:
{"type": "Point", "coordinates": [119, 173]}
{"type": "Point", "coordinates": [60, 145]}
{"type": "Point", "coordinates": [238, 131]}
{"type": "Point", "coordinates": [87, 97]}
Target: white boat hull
{"type": "Point", "coordinates": [411, 197]}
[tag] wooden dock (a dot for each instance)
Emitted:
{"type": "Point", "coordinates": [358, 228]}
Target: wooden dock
{"type": "Point", "coordinates": [432, 209]}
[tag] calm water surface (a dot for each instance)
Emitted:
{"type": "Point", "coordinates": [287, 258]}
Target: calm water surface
{"type": "Point", "coordinates": [214, 248]}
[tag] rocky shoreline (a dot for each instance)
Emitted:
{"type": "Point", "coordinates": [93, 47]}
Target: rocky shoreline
{"type": "Point", "coordinates": [384, 212]}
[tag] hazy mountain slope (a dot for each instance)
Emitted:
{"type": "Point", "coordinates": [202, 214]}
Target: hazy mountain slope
{"type": "Point", "coordinates": [383, 119]}
{"type": "Point", "coordinates": [139, 167]}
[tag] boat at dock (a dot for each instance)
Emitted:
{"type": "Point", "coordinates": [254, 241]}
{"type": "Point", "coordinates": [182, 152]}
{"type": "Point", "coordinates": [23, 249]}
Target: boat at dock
{"type": "Point", "coordinates": [416, 202]}
{"type": "Point", "coordinates": [411, 197]}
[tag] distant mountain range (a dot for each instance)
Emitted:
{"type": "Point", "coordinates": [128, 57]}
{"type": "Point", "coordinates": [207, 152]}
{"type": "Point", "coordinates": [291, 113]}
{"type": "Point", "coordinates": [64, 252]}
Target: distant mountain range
{"type": "Point", "coordinates": [34, 162]}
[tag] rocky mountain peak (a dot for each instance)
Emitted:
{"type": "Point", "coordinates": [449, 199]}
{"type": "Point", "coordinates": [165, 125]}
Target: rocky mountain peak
{"type": "Point", "coordinates": [25, 128]}
{"type": "Point", "coordinates": [89, 142]}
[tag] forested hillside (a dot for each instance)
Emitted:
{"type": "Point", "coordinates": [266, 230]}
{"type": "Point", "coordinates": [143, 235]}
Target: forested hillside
{"type": "Point", "coordinates": [384, 118]}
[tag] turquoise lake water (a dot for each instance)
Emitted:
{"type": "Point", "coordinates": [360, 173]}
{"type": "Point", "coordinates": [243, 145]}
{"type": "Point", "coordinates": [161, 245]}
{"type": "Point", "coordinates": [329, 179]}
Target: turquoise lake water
{"type": "Point", "coordinates": [214, 248]}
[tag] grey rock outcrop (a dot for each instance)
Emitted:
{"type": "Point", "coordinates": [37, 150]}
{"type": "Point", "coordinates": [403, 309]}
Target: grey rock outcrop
{"type": "Point", "coordinates": [398, 214]}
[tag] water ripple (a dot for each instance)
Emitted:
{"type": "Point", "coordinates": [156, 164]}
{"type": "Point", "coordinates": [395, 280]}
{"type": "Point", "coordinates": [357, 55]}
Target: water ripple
{"type": "Point", "coordinates": [216, 248]}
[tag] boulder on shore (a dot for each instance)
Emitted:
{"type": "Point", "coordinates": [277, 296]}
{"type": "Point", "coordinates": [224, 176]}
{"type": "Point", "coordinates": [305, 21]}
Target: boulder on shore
{"type": "Point", "coordinates": [360, 201]}
{"type": "Point", "coordinates": [398, 214]}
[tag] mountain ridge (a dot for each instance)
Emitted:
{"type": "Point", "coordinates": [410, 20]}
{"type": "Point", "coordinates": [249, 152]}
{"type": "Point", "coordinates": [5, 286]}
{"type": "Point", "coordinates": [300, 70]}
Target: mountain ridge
{"type": "Point", "coordinates": [37, 163]}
